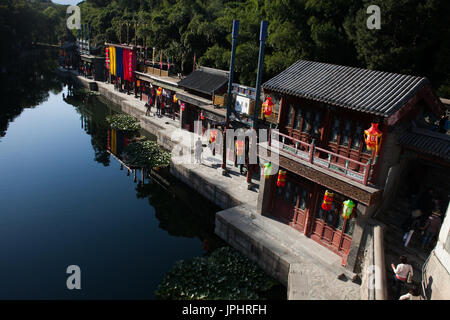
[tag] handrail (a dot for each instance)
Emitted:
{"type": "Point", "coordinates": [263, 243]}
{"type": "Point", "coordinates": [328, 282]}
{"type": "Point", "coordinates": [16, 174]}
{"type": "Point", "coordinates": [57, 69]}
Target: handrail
{"type": "Point", "coordinates": [342, 157]}
{"type": "Point", "coordinates": [308, 155]}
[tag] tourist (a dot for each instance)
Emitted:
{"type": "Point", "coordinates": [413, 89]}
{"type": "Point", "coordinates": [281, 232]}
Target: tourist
{"type": "Point", "coordinates": [443, 124]}
{"type": "Point", "coordinates": [198, 151]}
{"type": "Point", "coordinates": [431, 228]}
{"type": "Point", "coordinates": [149, 106]}
{"type": "Point", "coordinates": [158, 106]}
{"type": "Point", "coordinates": [401, 274]}
{"type": "Point", "coordinates": [413, 294]}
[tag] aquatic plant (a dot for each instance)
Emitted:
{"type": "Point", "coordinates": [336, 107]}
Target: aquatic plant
{"type": "Point", "coordinates": [84, 92]}
{"type": "Point", "coordinates": [123, 122]}
{"type": "Point", "coordinates": [224, 275]}
{"type": "Point", "coordinates": [147, 154]}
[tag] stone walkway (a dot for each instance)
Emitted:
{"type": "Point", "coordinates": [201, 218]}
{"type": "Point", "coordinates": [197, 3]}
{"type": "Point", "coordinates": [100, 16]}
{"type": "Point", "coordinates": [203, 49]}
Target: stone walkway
{"type": "Point", "coordinates": [309, 270]}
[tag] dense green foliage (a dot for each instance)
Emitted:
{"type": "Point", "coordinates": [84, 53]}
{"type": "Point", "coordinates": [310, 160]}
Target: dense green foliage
{"type": "Point", "coordinates": [224, 275]}
{"type": "Point", "coordinates": [147, 154]}
{"type": "Point", "coordinates": [24, 22]}
{"type": "Point", "coordinates": [413, 38]}
{"type": "Point", "coordinates": [123, 122]}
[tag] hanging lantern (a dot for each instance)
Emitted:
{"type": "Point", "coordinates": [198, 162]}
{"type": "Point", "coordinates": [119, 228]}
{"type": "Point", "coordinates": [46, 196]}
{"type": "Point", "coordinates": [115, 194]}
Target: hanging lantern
{"type": "Point", "coordinates": [182, 106]}
{"type": "Point", "coordinates": [327, 203]}
{"type": "Point", "coordinates": [281, 182]}
{"type": "Point", "coordinates": [347, 209]}
{"type": "Point", "coordinates": [372, 137]}
{"type": "Point", "coordinates": [175, 99]}
{"type": "Point", "coordinates": [267, 170]}
{"type": "Point", "coordinates": [138, 83]}
{"type": "Point", "coordinates": [267, 107]}
{"type": "Point", "coordinates": [202, 116]}
{"type": "Point", "coordinates": [159, 91]}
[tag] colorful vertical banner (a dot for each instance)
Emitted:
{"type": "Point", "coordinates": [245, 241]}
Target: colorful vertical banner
{"type": "Point", "coordinates": [107, 58]}
{"type": "Point", "coordinates": [130, 65]}
{"type": "Point", "coordinates": [112, 53]}
{"type": "Point", "coordinates": [119, 62]}
{"type": "Point", "coordinates": [125, 64]}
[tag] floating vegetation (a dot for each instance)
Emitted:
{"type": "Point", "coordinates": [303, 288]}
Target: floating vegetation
{"type": "Point", "coordinates": [123, 122]}
{"type": "Point", "coordinates": [146, 154]}
{"type": "Point", "coordinates": [225, 275]}
{"type": "Point", "coordinates": [84, 92]}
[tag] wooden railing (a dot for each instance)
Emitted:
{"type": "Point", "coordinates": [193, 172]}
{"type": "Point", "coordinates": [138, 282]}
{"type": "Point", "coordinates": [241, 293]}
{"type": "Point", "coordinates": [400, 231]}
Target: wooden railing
{"type": "Point", "coordinates": [324, 158]}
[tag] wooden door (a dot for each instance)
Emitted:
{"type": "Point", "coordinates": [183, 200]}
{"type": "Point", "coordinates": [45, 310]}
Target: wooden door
{"type": "Point", "coordinates": [283, 203]}
{"type": "Point", "coordinates": [330, 229]}
{"type": "Point", "coordinates": [291, 203]}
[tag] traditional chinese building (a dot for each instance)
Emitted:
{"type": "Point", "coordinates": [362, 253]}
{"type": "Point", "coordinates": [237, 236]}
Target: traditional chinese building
{"type": "Point", "coordinates": [324, 112]}
{"type": "Point", "coordinates": [197, 100]}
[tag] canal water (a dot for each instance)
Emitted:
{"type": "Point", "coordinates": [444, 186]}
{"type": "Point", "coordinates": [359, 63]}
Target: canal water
{"type": "Point", "coordinates": [64, 200]}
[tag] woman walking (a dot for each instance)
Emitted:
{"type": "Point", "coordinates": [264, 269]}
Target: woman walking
{"type": "Point", "coordinates": [401, 274]}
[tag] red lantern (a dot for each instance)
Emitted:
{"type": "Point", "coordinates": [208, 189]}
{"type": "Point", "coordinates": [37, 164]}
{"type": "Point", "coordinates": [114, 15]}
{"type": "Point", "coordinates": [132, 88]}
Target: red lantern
{"type": "Point", "coordinates": [159, 91]}
{"type": "Point", "coordinates": [182, 106]}
{"type": "Point", "coordinates": [267, 107]}
{"type": "Point", "coordinates": [327, 201]}
{"type": "Point", "coordinates": [281, 182]}
{"type": "Point", "coordinates": [372, 137]}
{"type": "Point", "coordinates": [202, 117]}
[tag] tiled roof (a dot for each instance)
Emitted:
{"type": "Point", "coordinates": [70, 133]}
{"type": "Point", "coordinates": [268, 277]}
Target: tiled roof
{"type": "Point", "coordinates": [205, 80]}
{"type": "Point", "coordinates": [428, 142]}
{"type": "Point", "coordinates": [375, 92]}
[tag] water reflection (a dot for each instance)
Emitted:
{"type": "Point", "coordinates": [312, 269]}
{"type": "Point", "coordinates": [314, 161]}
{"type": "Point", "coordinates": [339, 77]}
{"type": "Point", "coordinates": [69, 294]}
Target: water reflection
{"type": "Point", "coordinates": [26, 85]}
{"type": "Point", "coordinates": [181, 211]}
{"type": "Point", "coordinates": [65, 201]}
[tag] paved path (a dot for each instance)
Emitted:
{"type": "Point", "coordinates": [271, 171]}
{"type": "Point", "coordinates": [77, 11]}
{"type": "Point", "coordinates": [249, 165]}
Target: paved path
{"type": "Point", "coordinates": [310, 270]}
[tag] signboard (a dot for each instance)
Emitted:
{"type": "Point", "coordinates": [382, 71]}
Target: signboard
{"type": "Point", "coordinates": [242, 104]}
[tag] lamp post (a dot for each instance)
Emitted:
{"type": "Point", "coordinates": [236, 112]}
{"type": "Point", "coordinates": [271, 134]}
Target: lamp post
{"type": "Point", "coordinates": [262, 40]}
{"type": "Point", "coordinates": [234, 36]}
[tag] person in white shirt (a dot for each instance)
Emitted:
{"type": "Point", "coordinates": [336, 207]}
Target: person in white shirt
{"type": "Point", "coordinates": [413, 294]}
{"type": "Point", "coordinates": [401, 274]}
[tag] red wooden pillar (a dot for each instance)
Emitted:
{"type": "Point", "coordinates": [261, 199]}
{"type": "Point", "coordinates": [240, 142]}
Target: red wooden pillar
{"type": "Point", "coordinates": [310, 212]}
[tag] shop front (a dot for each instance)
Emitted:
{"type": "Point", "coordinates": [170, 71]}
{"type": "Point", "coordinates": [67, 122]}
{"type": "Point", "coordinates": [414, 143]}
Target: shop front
{"type": "Point", "coordinates": [299, 203]}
